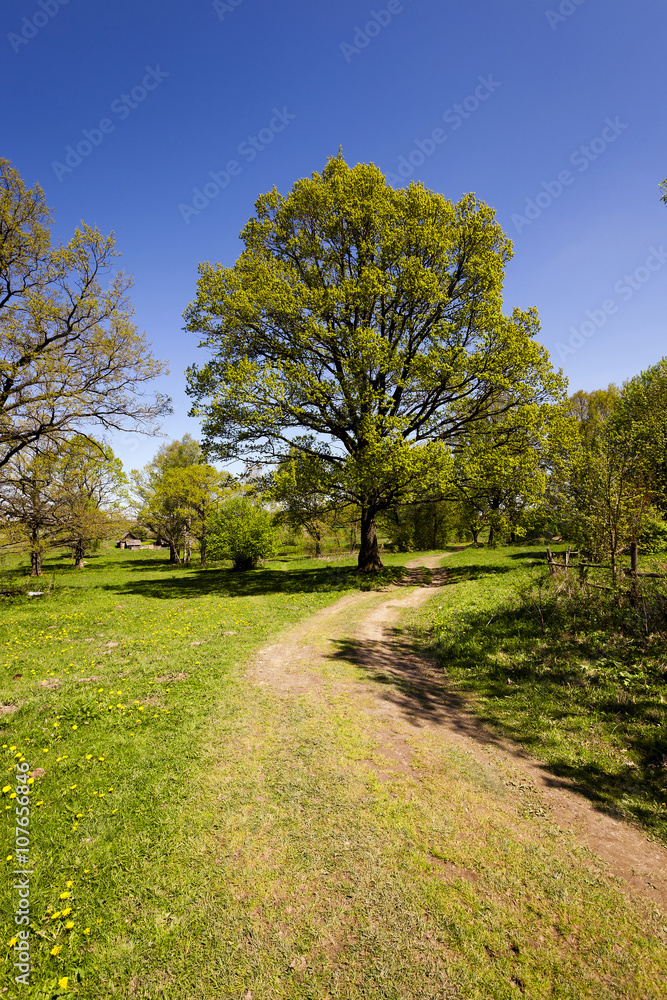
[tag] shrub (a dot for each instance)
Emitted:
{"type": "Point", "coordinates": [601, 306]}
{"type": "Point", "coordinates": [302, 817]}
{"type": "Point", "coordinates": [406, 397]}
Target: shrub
{"type": "Point", "coordinates": [243, 532]}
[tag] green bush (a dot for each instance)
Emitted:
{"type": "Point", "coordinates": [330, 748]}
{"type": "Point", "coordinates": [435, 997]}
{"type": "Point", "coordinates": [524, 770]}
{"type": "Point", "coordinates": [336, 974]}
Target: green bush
{"type": "Point", "coordinates": [653, 537]}
{"type": "Point", "coordinates": [243, 532]}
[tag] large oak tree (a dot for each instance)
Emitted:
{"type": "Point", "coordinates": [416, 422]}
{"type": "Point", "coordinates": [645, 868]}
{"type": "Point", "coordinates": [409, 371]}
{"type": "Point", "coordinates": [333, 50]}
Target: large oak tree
{"type": "Point", "coordinates": [363, 325]}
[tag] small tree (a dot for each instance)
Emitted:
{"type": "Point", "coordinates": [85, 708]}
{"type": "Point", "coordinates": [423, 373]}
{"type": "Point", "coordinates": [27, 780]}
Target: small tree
{"type": "Point", "coordinates": [296, 486]}
{"type": "Point", "coordinates": [65, 493]}
{"type": "Point", "coordinates": [91, 488]}
{"type": "Point", "coordinates": [31, 503]}
{"type": "Point", "coordinates": [178, 491]}
{"type": "Point", "coordinates": [603, 490]}
{"type": "Point", "coordinates": [243, 532]}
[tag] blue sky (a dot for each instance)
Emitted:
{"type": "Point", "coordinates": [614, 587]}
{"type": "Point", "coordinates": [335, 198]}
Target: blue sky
{"type": "Point", "coordinates": [552, 112]}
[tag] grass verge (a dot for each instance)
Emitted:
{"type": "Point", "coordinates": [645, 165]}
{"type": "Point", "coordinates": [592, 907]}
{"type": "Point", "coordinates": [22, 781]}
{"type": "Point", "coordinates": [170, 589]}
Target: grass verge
{"type": "Point", "coordinates": [577, 682]}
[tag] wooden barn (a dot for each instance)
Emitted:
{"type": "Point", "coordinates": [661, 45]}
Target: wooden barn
{"type": "Point", "coordinates": [128, 541]}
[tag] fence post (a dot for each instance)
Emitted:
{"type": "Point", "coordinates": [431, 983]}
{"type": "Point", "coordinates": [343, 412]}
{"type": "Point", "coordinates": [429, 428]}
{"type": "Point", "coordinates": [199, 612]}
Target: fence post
{"type": "Point", "coordinates": [550, 560]}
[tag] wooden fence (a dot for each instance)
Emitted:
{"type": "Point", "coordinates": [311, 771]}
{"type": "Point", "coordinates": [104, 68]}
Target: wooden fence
{"type": "Point", "coordinates": [584, 567]}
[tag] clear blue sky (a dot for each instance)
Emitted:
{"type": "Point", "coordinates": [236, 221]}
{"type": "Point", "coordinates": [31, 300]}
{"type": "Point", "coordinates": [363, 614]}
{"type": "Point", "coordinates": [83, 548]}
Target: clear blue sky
{"type": "Point", "coordinates": [542, 88]}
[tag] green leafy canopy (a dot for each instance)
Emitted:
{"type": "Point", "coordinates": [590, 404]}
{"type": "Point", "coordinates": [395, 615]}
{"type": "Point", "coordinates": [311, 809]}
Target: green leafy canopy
{"type": "Point", "coordinates": [370, 318]}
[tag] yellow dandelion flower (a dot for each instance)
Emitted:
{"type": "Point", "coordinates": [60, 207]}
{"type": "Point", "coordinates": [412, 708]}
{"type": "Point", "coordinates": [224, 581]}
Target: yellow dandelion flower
{"type": "Point", "coordinates": [40, 803]}
{"type": "Point", "coordinates": [69, 884]}
{"type": "Point", "coordinates": [56, 949]}
{"type": "Point", "coordinates": [54, 916]}
{"type": "Point", "coordinates": [12, 942]}
{"type": "Point", "coordinates": [6, 789]}
{"type": "Point", "coordinates": [64, 895]}
{"type": "Point", "coordinates": [62, 983]}
{"type": "Point", "coordinates": [66, 912]}
{"type": "Point", "coordinates": [69, 925]}
{"type": "Point", "coordinates": [86, 930]}
{"type": "Point", "coordinates": [89, 756]}
{"type": "Point", "coordinates": [8, 858]}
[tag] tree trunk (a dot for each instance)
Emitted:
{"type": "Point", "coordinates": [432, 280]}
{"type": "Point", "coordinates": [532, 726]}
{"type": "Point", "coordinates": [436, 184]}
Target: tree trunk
{"type": "Point", "coordinates": [475, 535]}
{"type": "Point", "coordinates": [173, 554]}
{"type": "Point", "coordinates": [318, 544]}
{"type": "Point", "coordinates": [35, 563]}
{"type": "Point", "coordinates": [202, 550]}
{"type": "Point", "coordinates": [187, 546]}
{"type": "Point", "coordinates": [79, 552]}
{"type": "Point", "coordinates": [353, 537]}
{"type": "Point", "coordinates": [35, 555]}
{"type": "Point", "coordinates": [495, 507]}
{"type": "Point", "coordinates": [369, 556]}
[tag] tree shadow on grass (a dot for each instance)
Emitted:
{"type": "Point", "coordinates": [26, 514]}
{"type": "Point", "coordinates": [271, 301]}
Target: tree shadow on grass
{"type": "Point", "coordinates": [253, 583]}
{"type": "Point", "coordinates": [537, 556]}
{"type": "Point", "coordinates": [539, 681]}
{"type": "Point", "coordinates": [460, 574]}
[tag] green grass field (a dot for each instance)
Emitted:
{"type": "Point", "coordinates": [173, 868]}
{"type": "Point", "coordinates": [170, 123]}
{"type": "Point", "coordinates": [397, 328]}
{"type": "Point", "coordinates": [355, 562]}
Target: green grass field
{"type": "Point", "coordinates": [194, 836]}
